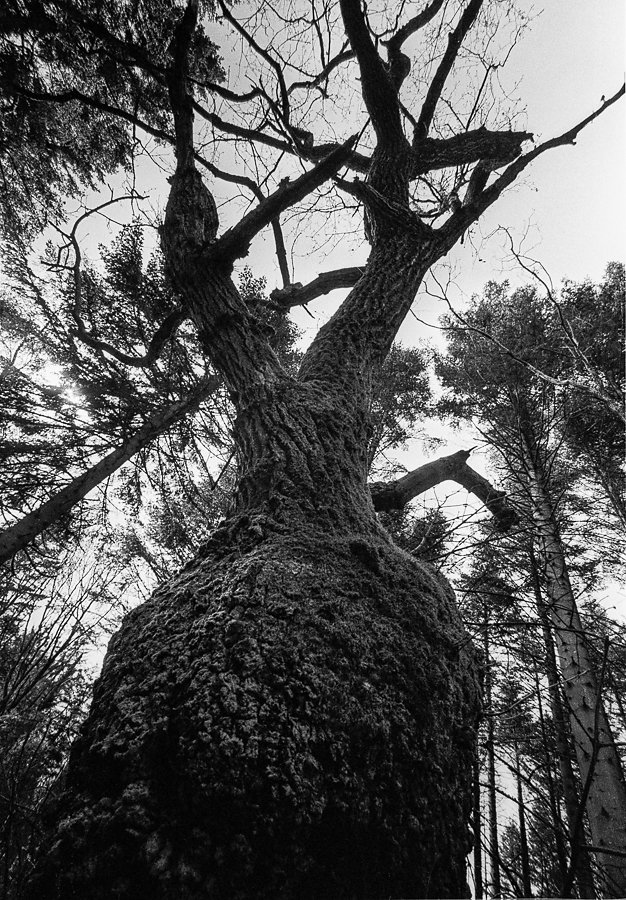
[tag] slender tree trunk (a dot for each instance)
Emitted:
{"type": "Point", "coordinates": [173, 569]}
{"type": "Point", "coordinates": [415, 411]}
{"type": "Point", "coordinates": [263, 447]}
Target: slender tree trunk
{"type": "Point", "coordinates": [617, 696]}
{"type": "Point", "coordinates": [477, 820]}
{"type": "Point", "coordinates": [30, 526]}
{"type": "Point", "coordinates": [598, 760]}
{"type": "Point", "coordinates": [571, 794]}
{"type": "Point", "coordinates": [521, 812]}
{"type": "Point", "coordinates": [557, 821]}
{"type": "Point", "coordinates": [494, 847]}
{"type": "Point", "coordinates": [614, 492]}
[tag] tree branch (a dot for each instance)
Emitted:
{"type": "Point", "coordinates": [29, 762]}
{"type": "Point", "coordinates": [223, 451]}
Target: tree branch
{"type": "Point", "coordinates": [164, 332]}
{"type": "Point", "coordinates": [396, 494]}
{"type": "Point", "coordinates": [255, 190]}
{"type": "Point", "coordinates": [235, 242]}
{"type": "Point", "coordinates": [264, 54]}
{"type": "Point", "coordinates": [379, 94]}
{"type": "Point", "coordinates": [303, 149]}
{"type": "Point", "coordinates": [394, 44]}
{"type": "Point", "coordinates": [343, 56]}
{"type": "Point", "coordinates": [469, 147]}
{"type": "Point", "coordinates": [180, 98]}
{"type": "Point", "coordinates": [399, 63]}
{"type": "Point", "coordinates": [74, 95]}
{"type": "Point", "coordinates": [298, 294]}
{"type": "Point", "coordinates": [385, 210]}
{"type": "Point", "coordinates": [457, 224]}
{"type": "Point", "coordinates": [455, 40]}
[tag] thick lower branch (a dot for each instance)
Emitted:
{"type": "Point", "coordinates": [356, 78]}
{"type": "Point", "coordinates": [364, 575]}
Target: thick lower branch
{"type": "Point", "coordinates": [298, 294]}
{"type": "Point", "coordinates": [462, 149]}
{"type": "Point", "coordinates": [396, 494]}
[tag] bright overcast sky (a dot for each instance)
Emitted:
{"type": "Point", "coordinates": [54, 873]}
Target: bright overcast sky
{"type": "Point", "coordinates": [574, 196]}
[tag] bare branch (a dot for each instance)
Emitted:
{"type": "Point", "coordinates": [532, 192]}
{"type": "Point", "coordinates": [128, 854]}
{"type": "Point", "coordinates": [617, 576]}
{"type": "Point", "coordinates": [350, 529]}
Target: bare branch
{"type": "Point", "coordinates": [281, 251]}
{"type": "Point", "coordinates": [457, 224]}
{"type": "Point", "coordinates": [235, 242]}
{"type": "Point", "coordinates": [343, 56]}
{"type": "Point", "coordinates": [304, 149]}
{"type": "Point", "coordinates": [396, 494]}
{"type": "Point", "coordinates": [469, 147]}
{"type": "Point", "coordinates": [455, 40]}
{"type": "Point", "coordinates": [379, 94]}
{"type": "Point", "coordinates": [399, 62]}
{"type": "Point", "coordinates": [298, 294]}
{"type": "Point", "coordinates": [264, 54]}
{"type": "Point", "coordinates": [394, 44]}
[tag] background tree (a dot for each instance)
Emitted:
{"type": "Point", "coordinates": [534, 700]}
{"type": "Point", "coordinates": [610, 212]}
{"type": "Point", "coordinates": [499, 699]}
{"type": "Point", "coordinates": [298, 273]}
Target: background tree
{"type": "Point", "coordinates": [497, 365]}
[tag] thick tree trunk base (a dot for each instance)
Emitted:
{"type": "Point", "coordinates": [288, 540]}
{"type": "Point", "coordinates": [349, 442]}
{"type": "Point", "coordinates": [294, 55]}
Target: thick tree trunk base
{"type": "Point", "coordinates": [292, 717]}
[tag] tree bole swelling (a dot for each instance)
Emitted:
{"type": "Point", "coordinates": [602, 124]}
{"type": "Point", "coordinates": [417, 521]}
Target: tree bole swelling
{"type": "Point", "coordinates": [292, 716]}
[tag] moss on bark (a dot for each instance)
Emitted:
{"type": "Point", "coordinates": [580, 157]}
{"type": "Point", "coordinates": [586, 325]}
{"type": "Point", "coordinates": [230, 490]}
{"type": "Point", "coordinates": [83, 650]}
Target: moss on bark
{"type": "Point", "coordinates": [292, 717]}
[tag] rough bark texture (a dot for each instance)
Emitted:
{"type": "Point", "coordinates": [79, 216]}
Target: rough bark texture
{"type": "Point", "coordinates": [291, 717]}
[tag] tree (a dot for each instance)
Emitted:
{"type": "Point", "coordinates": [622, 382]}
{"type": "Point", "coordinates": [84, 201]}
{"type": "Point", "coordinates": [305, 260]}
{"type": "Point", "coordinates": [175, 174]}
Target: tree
{"type": "Point", "coordinates": [494, 366]}
{"type": "Point", "coordinates": [48, 625]}
{"type": "Point", "coordinates": [61, 439]}
{"type": "Point", "coordinates": [294, 714]}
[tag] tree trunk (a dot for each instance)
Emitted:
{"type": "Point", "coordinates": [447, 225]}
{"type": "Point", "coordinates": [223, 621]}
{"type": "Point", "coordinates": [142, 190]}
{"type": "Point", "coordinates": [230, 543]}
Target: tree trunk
{"type": "Point", "coordinates": [555, 811]}
{"type": "Point", "coordinates": [597, 756]}
{"type": "Point", "coordinates": [494, 847]}
{"type": "Point", "coordinates": [521, 811]}
{"type": "Point", "coordinates": [571, 795]}
{"type": "Point", "coordinates": [294, 715]}
{"type": "Point", "coordinates": [477, 821]}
